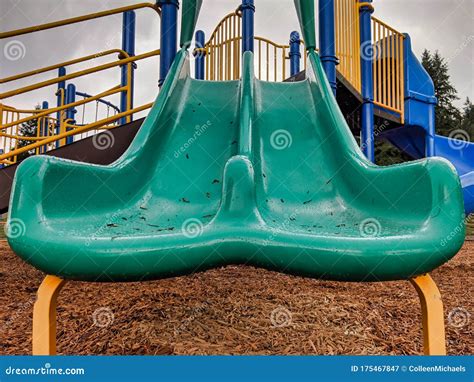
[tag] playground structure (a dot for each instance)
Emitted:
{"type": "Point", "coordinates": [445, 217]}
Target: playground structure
{"type": "Point", "coordinates": [220, 59]}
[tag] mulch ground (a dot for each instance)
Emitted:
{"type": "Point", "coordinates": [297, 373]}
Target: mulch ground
{"type": "Point", "coordinates": [236, 310]}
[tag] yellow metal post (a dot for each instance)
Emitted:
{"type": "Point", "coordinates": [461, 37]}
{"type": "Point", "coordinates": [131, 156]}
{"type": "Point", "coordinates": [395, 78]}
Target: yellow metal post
{"type": "Point", "coordinates": [434, 342]}
{"type": "Point", "coordinates": [44, 316]}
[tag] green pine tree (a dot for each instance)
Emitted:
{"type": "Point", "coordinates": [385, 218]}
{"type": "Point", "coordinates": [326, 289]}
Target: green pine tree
{"type": "Point", "coordinates": [467, 123]}
{"type": "Point", "coordinates": [448, 117]}
{"type": "Point", "coordinates": [27, 129]}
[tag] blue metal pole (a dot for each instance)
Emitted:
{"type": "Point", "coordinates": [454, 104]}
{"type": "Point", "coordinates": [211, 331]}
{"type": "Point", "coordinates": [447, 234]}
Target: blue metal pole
{"type": "Point", "coordinates": [70, 98]}
{"type": "Point", "coordinates": [327, 41]}
{"type": "Point", "coordinates": [44, 125]}
{"type": "Point", "coordinates": [248, 10]}
{"type": "Point", "coordinates": [430, 150]}
{"type": "Point", "coordinates": [61, 89]}
{"type": "Point", "coordinates": [128, 45]}
{"type": "Point", "coordinates": [367, 128]}
{"type": "Point", "coordinates": [199, 63]}
{"type": "Point", "coordinates": [295, 54]}
{"type": "Point", "coordinates": [169, 35]}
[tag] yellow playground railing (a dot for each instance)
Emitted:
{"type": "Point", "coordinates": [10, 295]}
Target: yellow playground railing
{"type": "Point", "coordinates": [388, 71]}
{"type": "Point", "coordinates": [223, 49]}
{"type": "Point", "coordinates": [386, 50]}
{"type": "Point", "coordinates": [222, 55]}
{"type": "Point", "coordinates": [348, 41]}
{"type": "Point", "coordinates": [53, 128]}
{"type": "Point", "coordinates": [222, 62]}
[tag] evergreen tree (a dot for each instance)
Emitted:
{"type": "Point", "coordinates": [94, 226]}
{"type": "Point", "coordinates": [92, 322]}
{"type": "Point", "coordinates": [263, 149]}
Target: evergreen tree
{"type": "Point", "coordinates": [448, 117]}
{"type": "Point", "coordinates": [468, 119]}
{"type": "Point", "coordinates": [27, 129]}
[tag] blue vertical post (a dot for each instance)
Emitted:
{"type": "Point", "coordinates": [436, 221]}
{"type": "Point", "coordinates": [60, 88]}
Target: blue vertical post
{"type": "Point", "coordinates": [61, 90]}
{"type": "Point", "coordinates": [199, 54]}
{"type": "Point", "coordinates": [295, 55]}
{"type": "Point", "coordinates": [430, 150]}
{"type": "Point", "coordinates": [366, 59]}
{"type": "Point", "coordinates": [248, 10]}
{"type": "Point", "coordinates": [44, 125]}
{"type": "Point", "coordinates": [70, 111]}
{"type": "Point", "coordinates": [128, 45]}
{"type": "Point", "coordinates": [327, 41]}
{"type": "Point", "coordinates": [169, 35]}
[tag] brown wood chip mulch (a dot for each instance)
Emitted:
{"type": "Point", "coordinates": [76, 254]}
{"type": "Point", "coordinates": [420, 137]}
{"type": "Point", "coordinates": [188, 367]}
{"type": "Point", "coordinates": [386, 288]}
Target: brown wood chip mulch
{"type": "Point", "coordinates": [236, 310]}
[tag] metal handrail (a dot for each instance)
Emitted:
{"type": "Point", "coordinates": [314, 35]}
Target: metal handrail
{"type": "Point", "coordinates": [12, 121]}
{"type": "Point", "coordinates": [43, 113]}
{"type": "Point", "coordinates": [74, 20]}
{"type": "Point", "coordinates": [107, 103]}
{"type": "Point", "coordinates": [63, 64]}
{"type": "Point", "coordinates": [74, 131]}
{"type": "Point", "coordinates": [81, 73]}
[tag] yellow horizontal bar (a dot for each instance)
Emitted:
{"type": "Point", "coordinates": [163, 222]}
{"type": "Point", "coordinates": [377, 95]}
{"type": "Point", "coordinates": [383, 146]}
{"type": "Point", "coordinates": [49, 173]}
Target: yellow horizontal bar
{"type": "Point", "coordinates": [66, 63]}
{"type": "Point", "coordinates": [81, 129]}
{"type": "Point", "coordinates": [78, 19]}
{"type": "Point", "coordinates": [81, 73]}
{"type": "Point", "coordinates": [44, 113]}
{"type": "Point", "coordinates": [387, 26]}
{"type": "Point", "coordinates": [271, 42]}
{"type": "Point", "coordinates": [387, 107]}
{"type": "Point", "coordinates": [21, 111]}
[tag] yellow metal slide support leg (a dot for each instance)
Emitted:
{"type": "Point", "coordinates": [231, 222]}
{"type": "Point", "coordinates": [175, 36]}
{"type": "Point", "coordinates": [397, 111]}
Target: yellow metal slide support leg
{"type": "Point", "coordinates": [44, 316]}
{"type": "Point", "coordinates": [434, 342]}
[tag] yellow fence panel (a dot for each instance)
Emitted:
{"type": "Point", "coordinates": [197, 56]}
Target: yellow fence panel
{"type": "Point", "coordinates": [348, 41]}
{"type": "Point", "coordinates": [388, 67]}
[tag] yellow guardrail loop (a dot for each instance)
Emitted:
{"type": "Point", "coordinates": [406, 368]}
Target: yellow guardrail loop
{"type": "Point", "coordinates": [52, 128]}
{"type": "Point", "coordinates": [223, 50]}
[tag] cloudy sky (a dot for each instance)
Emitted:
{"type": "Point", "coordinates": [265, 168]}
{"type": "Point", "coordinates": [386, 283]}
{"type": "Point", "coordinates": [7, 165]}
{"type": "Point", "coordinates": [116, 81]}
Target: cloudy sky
{"type": "Point", "coordinates": [433, 24]}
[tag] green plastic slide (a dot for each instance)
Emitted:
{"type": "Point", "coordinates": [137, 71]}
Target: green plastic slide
{"type": "Point", "coordinates": [238, 172]}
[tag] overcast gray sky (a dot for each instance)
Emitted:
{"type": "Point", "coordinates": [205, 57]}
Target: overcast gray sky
{"type": "Point", "coordinates": [446, 25]}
